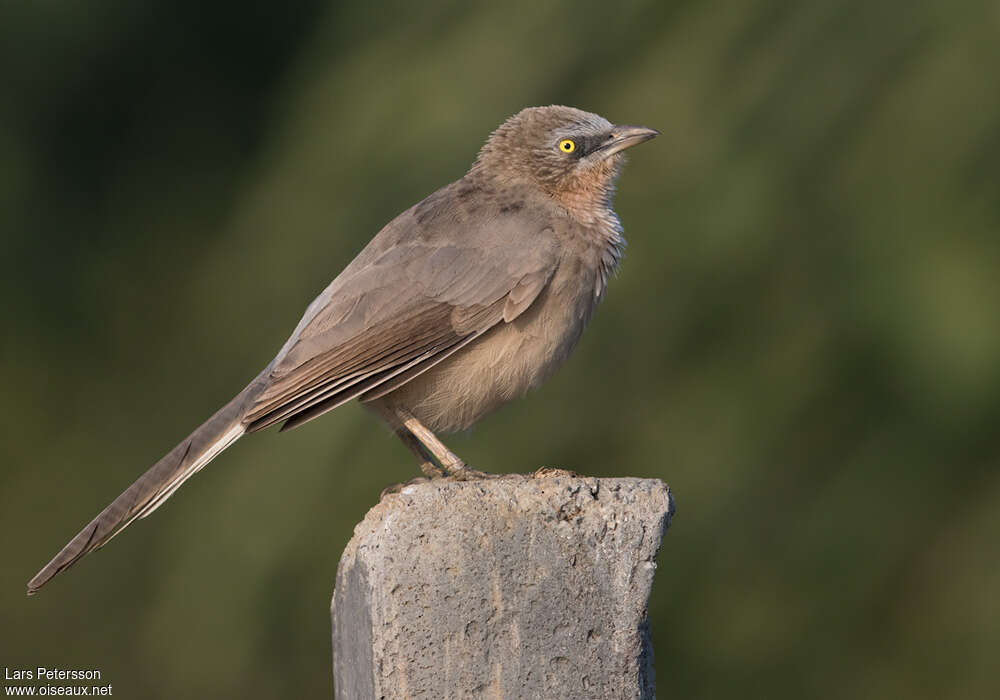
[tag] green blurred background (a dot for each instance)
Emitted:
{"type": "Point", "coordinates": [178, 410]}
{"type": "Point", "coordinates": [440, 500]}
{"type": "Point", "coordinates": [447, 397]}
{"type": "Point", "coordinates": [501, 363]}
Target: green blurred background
{"type": "Point", "coordinates": [804, 339]}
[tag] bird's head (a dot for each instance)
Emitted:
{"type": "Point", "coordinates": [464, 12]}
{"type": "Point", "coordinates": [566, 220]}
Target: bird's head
{"type": "Point", "coordinates": [569, 153]}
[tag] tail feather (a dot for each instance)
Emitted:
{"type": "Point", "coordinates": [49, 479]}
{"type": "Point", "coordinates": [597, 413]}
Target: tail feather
{"type": "Point", "coordinates": [155, 486]}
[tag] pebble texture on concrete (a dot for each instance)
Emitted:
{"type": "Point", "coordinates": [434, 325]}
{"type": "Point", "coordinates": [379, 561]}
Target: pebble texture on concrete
{"type": "Point", "coordinates": [518, 587]}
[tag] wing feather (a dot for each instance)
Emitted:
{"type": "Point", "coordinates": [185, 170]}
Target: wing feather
{"type": "Point", "coordinates": [424, 287]}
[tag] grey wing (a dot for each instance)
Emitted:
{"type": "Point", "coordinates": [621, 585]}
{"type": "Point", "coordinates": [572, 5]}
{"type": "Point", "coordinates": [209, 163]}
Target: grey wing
{"type": "Point", "coordinates": [407, 302]}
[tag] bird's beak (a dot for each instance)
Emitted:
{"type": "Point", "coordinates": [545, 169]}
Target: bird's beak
{"type": "Point", "coordinates": [623, 137]}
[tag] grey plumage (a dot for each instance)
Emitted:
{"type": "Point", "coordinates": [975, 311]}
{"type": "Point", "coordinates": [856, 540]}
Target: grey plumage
{"type": "Point", "coordinates": [461, 303]}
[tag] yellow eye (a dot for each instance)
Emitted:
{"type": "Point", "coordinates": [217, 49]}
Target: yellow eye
{"type": "Point", "coordinates": [567, 146]}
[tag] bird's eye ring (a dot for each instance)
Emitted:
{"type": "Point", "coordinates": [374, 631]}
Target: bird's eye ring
{"type": "Point", "coordinates": [567, 146]}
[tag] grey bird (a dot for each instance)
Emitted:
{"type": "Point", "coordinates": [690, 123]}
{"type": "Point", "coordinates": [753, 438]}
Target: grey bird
{"type": "Point", "coordinates": [461, 303]}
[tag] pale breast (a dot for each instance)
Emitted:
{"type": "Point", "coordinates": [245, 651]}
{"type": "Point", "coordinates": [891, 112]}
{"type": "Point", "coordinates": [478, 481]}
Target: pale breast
{"type": "Point", "coordinates": [511, 358]}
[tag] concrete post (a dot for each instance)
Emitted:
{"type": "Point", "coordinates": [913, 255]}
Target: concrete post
{"type": "Point", "coordinates": [518, 587]}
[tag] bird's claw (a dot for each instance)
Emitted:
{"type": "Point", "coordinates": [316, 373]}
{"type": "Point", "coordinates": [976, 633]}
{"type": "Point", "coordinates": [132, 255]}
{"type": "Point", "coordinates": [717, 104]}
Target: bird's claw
{"type": "Point", "coordinates": [465, 473]}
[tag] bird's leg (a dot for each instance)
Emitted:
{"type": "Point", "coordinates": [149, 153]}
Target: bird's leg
{"type": "Point", "coordinates": [424, 456]}
{"type": "Point", "coordinates": [452, 465]}
{"type": "Point", "coordinates": [427, 466]}
{"type": "Point", "coordinates": [426, 445]}
{"type": "Point", "coordinates": [449, 461]}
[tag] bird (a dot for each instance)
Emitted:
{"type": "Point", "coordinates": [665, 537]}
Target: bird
{"type": "Point", "coordinates": [465, 301]}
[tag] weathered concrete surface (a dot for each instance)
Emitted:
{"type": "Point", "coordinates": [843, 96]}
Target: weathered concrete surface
{"type": "Point", "coordinates": [519, 587]}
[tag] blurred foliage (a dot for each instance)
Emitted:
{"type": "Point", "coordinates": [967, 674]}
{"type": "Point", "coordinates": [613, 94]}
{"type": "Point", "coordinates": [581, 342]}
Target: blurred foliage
{"type": "Point", "coordinates": [804, 340]}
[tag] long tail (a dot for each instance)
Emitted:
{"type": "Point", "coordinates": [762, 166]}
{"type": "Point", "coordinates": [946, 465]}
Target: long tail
{"type": "Point", "coordinates": [158, 483]}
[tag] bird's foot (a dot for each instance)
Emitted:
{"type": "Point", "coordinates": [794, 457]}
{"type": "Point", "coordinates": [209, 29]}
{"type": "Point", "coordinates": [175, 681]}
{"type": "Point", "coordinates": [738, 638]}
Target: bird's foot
{"type": "Point", "coordinates": [544, 472]}
{"type": "Point", "coordinates": [431, 470]}
{"type": "Point", "coordinates": [466, 473]}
